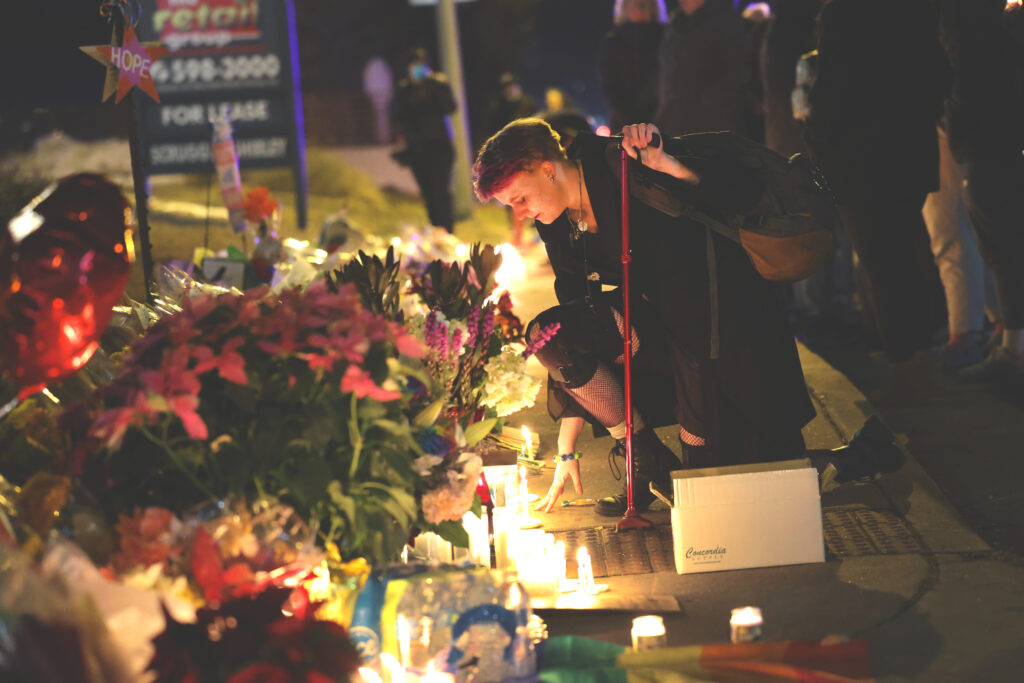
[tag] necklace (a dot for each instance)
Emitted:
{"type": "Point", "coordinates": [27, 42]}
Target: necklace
{"type": "Point", "coordinates": [579, 223]}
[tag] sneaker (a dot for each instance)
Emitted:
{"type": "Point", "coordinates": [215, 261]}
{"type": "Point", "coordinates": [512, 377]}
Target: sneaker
{"type": "Point", "coordinates": [1000, 364]}
{"type": "Point", "coordinates": [871, 453]}
{"type": "Point", "coordinates": [966, 349]}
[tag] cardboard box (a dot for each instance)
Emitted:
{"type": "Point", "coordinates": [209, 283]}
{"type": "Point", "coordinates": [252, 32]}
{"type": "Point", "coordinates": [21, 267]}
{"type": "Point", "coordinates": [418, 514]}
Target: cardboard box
{"type": "Point", "coordinates": [745, 516]}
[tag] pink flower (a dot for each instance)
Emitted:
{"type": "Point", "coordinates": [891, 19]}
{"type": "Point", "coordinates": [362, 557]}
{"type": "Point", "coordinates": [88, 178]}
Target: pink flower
{"type": "Point", "coordinates": [185, 408]}
{"type": "Point", "coordinates": [450, 501]}
{"type": "Point", "coordinates": [358, 381]}
{"type": "Point", "coordinates": [408, 345]}
{"type": "Point", "coordinates": [110, 426]}
{"type": "Point", "coordinates": [229, 364]}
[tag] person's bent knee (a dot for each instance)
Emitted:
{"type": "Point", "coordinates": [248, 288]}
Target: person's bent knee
{"type": "Point", "coordinates": [566, 363]}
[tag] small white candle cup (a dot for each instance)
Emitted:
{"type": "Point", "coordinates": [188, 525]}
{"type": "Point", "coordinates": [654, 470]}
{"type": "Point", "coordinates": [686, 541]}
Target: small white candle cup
{"type": "Point", "coordinates": [648, 632]}
{"type": "Point", "coordinates": [746, 625]}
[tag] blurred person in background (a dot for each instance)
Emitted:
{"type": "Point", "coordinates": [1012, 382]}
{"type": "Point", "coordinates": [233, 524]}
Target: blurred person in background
{"type": "Point", "coordinates": [986, 133]}
{"type": "Point", "coordinates": [423, 102]}
{"type": "Point", "coordinates": [561, 113]}
{"type": "Point", "coordinates": [703, 69]}
{"type": "Point", "coordinates": [628, 64]}
{"type": "Point", "coordinates": [882, 78]}
{"type": "Point", "coordinates": [822, 306]}
{"type": "Point", "coordinates": [510, 104]}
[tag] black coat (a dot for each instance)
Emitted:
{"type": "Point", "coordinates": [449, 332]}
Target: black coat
{"type": "Point", "coordinates": [420, 109]}
{"type": "Point", "coordinates": [703, 71]}
{"type": "Point", "coordinates": [882, 80]}
{"type": "Point", "coordinates": [629, 72]}
{"type": "Point", "coordinates": [789, 34]}
{"type": "Point", "coordinates": [758, 370]}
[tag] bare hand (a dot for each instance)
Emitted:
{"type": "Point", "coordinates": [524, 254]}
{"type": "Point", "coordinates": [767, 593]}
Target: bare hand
{"type": "Point", "coordinates": [564, 470]}
{"type": "Point", "coordinates": [636, 140]}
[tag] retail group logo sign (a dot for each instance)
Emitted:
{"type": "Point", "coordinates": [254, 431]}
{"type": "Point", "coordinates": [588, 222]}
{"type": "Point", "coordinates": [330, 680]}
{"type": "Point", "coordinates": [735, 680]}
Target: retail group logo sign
{"type": "Point", "coordinates": [128, 65]}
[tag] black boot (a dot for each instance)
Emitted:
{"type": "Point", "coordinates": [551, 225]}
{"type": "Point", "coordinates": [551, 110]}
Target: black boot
{"type": "Point", "coordinates": [871, 453]}
{"type": "Point", "coordinates": [653, 462]}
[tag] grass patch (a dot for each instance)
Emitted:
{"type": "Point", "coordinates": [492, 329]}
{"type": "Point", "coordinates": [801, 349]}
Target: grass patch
{"type": "Point", "coordinates": [333, 185]}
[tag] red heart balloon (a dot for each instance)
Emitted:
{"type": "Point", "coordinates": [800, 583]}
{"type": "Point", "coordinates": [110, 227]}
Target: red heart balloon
{"type": "Point", "coordinates": [64, 262]}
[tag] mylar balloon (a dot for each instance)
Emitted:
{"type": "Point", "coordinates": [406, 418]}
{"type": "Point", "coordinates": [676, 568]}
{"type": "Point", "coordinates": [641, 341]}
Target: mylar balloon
{"type": "Point", "coordinates": [64, 262]}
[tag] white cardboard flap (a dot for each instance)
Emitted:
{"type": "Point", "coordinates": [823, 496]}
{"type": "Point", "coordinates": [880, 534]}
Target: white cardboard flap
{"type": "Point", "coordinates": [731, 489]}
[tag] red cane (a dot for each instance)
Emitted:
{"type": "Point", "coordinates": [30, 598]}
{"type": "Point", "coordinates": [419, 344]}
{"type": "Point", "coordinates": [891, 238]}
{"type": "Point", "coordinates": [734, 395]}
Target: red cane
{"type": "Point", "coordinates": [631, 519]}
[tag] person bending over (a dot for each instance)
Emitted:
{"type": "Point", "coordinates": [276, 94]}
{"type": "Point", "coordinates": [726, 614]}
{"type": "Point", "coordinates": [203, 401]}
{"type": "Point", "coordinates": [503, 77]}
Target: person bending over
{"type": "Point", "coordinates": [747, 405]}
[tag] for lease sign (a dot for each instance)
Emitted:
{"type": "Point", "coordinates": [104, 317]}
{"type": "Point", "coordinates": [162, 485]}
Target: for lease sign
{"type": "Point", "coordinates": [225, 57]}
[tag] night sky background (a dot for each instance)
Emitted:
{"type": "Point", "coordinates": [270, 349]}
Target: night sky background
{"type": "Point", "coordinates": [45, 81]}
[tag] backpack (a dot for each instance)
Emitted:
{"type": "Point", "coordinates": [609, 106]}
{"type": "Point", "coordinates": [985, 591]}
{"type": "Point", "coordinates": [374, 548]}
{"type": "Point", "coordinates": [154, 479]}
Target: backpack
{"type": "Point", "coordinates": [789, 232]}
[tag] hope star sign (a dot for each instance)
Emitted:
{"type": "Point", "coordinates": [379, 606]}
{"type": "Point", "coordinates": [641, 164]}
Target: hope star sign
{"type": "Point", "coordinates": [128, 65]}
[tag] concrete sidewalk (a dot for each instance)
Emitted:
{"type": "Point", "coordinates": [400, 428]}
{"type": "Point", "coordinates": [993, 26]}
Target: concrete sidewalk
{"type": "Point", "coordinates": [902, 569]}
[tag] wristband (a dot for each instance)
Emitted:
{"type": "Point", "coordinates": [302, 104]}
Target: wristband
{"type": "Point", "coordinates": [566, 457]}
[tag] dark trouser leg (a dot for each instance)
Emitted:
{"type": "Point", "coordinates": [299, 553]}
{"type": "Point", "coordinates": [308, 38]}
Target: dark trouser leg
{"type": "Point", "coordinates": [432, 167]}
{"type": "Point", "coordinates": [892, 242]}
{"type": "Point", "coordinates": [996, 205]}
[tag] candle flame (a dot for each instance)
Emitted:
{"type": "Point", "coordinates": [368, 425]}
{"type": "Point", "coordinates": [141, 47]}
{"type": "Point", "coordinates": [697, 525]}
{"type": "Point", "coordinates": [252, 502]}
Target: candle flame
{"type": "Point", "coordinates": [369, 675]}
{"type": "Point", "coordinates": [527, 438]}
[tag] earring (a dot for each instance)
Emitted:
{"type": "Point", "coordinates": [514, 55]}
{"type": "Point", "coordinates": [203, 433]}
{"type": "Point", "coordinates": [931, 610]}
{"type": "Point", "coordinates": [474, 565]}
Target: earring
{"type": "Point", "coordinates": [551, 178]}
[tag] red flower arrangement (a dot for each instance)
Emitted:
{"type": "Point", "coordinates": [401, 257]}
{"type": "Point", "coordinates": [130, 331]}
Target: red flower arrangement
{"type": "Point", "coordinates": [251, 639]}
{"type": "Point", "coordinates": [259, 205]}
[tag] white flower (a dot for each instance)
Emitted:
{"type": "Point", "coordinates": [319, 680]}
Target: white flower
{"type": "Point", "coordinates": [508, 388]}
{"type": "Point", "coordinates": [425, 463]}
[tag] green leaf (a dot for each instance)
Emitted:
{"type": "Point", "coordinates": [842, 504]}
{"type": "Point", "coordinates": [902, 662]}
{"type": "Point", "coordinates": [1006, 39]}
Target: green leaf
{"type": "Point", "coordinates": [309, 482]}
{"type": "Point", "coordinates": [354, 436]}
{"type": "Point", "coordinates": [428, 415]}
{"type": "Point", "coordinates": [343, 502]}
{"type": "Point", "coordinates": [454, 533]}
{"type": "Point", "coordinates": [477, 507]}
{"type": "Point", "coordinates": [479, 430]}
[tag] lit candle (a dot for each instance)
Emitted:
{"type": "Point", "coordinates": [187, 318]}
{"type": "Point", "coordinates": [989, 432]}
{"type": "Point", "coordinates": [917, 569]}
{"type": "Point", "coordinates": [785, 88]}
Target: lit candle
{"type": "Point", "coordinates": [585, 583]}
{"type": "Point", "coordinates": [402, 633]}
{"type": "Point", "coordinates": [394, 670]}
{"type": "Point", "coordinates": [745, 624]}
{"type": "Point", "coordinates": [527, 442]}
{"type": "Point", "coordinates": [648, 632]}
{"type": "Point", "coordinates": [559, 566]}
{"type": "Point", "coordinates": [431, 676]}
{"type": "Point", "coordinates": [369, 675]}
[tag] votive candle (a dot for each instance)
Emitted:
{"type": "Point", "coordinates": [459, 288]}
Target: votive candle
{"type": "Point", "coordinates": [746, 625]}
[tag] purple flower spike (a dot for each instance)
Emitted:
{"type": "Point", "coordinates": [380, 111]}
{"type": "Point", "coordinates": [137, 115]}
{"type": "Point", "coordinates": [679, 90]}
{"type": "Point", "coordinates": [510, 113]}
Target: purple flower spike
{"type": "Point", "coordinates": [542, 338]}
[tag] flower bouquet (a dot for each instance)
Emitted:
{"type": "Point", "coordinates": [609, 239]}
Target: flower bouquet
{"type": "Point", "coordinates": [299, 396]}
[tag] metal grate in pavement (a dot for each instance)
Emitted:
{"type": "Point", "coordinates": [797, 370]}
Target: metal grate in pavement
{"type": "Point", "coordinates": [849, 532]}
{"type": "Point", "coordinates": [641, 551]}
{"type": "Point", "coordinates": [853, 532]}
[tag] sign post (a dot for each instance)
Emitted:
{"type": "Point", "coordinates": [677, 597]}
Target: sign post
{"type": "Point", "coordinates": [451, 65]}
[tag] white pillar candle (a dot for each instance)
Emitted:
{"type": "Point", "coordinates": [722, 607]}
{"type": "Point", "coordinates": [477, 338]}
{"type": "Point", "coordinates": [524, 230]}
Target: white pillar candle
{"type": "Point", "coordinates": [524, 494]}
{"type": "Point", "coordinates": [558, 557]}
{"type": "Point", "coordinates": [584, 570]}
{"type": "Point", "coordinates": [369, 675]}
{"type": "Point", "coordinates": [402, 633]}
{"type": "Point", "coordinates": [506, 537]}
{"type": "Point", "coordinates": [395, 671]}
{"type": "Point", "coordinates": [745, 625]}
{"type": "Point", "coordinates": [432, 676]}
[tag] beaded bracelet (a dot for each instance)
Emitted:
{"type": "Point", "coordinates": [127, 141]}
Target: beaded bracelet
{"type": "Point", "coordinates": [567, 457]}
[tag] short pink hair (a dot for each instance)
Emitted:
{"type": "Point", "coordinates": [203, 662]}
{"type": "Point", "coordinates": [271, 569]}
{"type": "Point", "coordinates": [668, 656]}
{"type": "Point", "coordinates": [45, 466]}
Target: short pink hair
{"type": "Point", "coordinates": [520, 146]}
